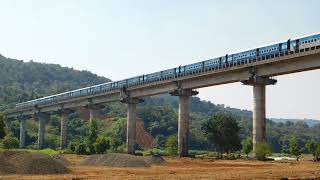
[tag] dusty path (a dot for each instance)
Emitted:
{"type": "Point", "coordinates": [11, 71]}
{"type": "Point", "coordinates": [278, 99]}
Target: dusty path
{"type": "Point", "coordinates": [193, 169]}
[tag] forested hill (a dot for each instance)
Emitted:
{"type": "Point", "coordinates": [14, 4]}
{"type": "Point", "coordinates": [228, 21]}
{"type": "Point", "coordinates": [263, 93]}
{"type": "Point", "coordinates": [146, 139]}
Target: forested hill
{"type": "Point", "coordinates": [21, 81]}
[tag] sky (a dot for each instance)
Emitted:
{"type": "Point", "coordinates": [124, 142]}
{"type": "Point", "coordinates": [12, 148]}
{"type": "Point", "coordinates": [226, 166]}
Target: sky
{"type": "Point", "coordinates": [123, 38]}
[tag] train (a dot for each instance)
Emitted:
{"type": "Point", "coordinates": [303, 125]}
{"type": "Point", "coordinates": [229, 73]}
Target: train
{"type": "Point", "coordinates": [261, 53]}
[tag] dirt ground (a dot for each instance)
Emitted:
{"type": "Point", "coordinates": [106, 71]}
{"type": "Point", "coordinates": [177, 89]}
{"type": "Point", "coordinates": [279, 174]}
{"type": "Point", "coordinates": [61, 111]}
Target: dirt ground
{"type": "Point", "coordinates": [188, 168]}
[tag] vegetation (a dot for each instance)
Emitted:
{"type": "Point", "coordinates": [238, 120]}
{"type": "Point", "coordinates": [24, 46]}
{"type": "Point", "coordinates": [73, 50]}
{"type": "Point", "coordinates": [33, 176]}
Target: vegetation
{"type": "Point", "coordinates": [172, 145]}
{"type": "Point", "coordinates": [223, 131]}
{"type": "Point", "coordinates": [312, 147]}
{"type": "Point", "coordinates": [262, 150]}
{"type": "Point", "coordinates": [101, 145]}
{"type": "Point", "coordinates": [2, 127]}
{"type": "Point", "coordinates": [10, 142]}
{"type": "Point", "coordinates": [294, 148]}
{"type": "Point", "coordinates": [247, 146]}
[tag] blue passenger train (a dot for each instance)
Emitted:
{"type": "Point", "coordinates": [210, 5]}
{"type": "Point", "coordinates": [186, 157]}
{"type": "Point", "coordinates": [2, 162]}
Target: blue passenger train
{"type": "Point", "coordinates": [261, 53]}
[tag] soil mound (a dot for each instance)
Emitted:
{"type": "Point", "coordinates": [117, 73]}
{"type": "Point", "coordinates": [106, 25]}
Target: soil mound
{"type": "Point", "coordinates": [154, 160]}
{"type": "Point", "coordinates": [114, 160]}
{"type": "Point", "coordinates": [61, 160]}
{"type": "Point", "coordinates": [19, 162]}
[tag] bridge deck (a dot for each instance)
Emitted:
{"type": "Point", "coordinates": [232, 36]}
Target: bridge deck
{"type": "Point", "coordinates": [308, 59]}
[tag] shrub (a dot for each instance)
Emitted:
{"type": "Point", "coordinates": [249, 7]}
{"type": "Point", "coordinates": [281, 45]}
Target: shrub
{"type": "Point", "coordinates": [262, 150]}
{"type": "Point", "coordinates": [246, 146]}
{"type": "Point", "coordinates": [10, 142]}
{"type": "Point", "coordinates": [72, 146]}
{"type": "Point", "coordinates": [101, 145]}
{"type": "Point", "coordinates": [172, 145]}
{"type": "Point", "coordinates": [81, 149]}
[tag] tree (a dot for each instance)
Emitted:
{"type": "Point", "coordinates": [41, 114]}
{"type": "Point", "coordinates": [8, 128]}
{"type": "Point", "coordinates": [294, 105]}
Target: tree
{"type": "Point", "coordinates": [172, 145]}
{"type": "Point", "coordinates": [262, 150]}
{"type": "Point", "coordinates": [312, 146]}
{"type": "Point", "coordinates": [223, 130]}
{"type": "Point", "coordinates": [101, 145]}
{"type": "Point", "coordinates": [2, 127]}
{"type": "Point", "coordinates": [93, 135]}
{"type": "Point", "coordinates": [10, 142]}
{"type": "Point", "coordinates": [81, 149]}
{"type": "Point", "coordinates": [294, 148]}
{"type": "Point", "coordinates": [247, 146]}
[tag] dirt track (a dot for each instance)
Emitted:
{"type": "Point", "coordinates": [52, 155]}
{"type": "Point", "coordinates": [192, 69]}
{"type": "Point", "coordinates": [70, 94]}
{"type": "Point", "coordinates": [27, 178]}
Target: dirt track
{"type": "Point", "coordinates": [192, 169]}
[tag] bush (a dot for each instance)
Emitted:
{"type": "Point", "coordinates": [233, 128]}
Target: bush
{"type": "Point", "coordinates": [101, 145]}
{"type": "Point", "coordinates": [247, 146]}
{"type": "Point", "coordinates": [262, 151]}
{"type": "Point", "coordinates": [72, 146]}
{"type": "Point", "coordinates": [172, 145]}
{"type": "Point", "coordinates": [81, 149]}
{"type": "Point", "coordinates": [10, 142]}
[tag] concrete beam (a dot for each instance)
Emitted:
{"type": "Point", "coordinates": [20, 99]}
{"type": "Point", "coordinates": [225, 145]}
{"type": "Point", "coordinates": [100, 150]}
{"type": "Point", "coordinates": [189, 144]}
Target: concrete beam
{"type": "Point", "coordinates": [183, 120]}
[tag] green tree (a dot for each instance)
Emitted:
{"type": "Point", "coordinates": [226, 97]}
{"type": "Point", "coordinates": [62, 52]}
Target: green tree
{"type": "Point", "coordinates": [172, 145]}
{"type": "Point", "coordinates": [312, 146]}
{"type": "Point", "coordinates": [247, 146]}
{"type": "Point", "coordinates": [101, 145]}
{"type": "Point", "coordinates": [294, 148]}
{"type": "Point", "coordinates": [81, 149]}
{"type": "Point", "coordinates": [10, 142]}
{"type": "Point", "coordinates": [93, 135]}
{"type": "Point", "coordinates": [2, 127]}
{"type": "Point", "coordinates": [223, 131]}
{"type": "Point", "coordinates": [262, 150]}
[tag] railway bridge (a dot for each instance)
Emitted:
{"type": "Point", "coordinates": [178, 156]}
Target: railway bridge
{"type": "Point", "coordinates": [255, 72]}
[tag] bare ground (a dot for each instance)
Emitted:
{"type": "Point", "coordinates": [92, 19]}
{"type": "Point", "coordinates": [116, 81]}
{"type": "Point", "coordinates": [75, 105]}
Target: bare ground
{"type": "Point", "coordinates": [187, 168]}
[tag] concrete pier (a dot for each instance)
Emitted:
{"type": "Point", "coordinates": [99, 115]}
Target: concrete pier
{"type": "Point", "coordinates": [22, 133]}
{"type": "Point", "coordinates": [259, 108]}
{"type": "Point", "coordinates": [64, 129]}
{"type": "Point", "coordinates": [41, 131]}
{"type": "Point", "coordinates": [183, 120]}
{"type": "Point", "coordinates": [131, 123]}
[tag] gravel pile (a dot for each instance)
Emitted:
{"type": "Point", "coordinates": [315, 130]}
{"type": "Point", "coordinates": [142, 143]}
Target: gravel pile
{"type": "Point", "coordinates": [19, 162]}
{"type": "Point", "coordinates": [114, 160]}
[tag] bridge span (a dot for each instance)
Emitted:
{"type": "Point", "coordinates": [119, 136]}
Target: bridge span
{"type": "Point", "coordinates": [256, 72]}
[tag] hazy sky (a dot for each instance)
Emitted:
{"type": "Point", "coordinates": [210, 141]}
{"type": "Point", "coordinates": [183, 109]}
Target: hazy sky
{"type": "Point", "coordinates": [119, 39]}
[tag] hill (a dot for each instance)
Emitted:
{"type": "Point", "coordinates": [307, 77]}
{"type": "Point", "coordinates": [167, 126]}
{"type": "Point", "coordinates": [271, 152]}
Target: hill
{"type": "Point", "coordinates": [22, 81]}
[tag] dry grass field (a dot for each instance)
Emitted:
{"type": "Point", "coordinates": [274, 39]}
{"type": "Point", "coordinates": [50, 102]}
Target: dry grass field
{"type": "Point", "coordinates": [188, 168]}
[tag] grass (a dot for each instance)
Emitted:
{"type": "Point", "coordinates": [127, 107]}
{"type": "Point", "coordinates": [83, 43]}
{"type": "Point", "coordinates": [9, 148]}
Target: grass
{"type": "Point", "coordinates": [50, 152]}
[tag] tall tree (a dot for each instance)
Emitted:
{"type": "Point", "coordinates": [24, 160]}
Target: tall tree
{"type": "Point", "coordinates": [294, 148]}
{"type": "Point", "coordinates": [312, 146]}
{"type": "Point", "coordinates": [223, 130]}
{"type": "Point", "coordinates": [2, 127]}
